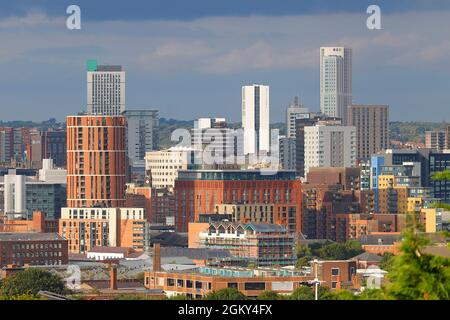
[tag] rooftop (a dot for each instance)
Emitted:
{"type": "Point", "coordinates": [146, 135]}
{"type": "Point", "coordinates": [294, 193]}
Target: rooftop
{"type": "Point", "coordinates": [367, 256]}
{"type": "Point", "coordinates": [30, 236]}
{"type": "Point", "coordinates": [100, 249]}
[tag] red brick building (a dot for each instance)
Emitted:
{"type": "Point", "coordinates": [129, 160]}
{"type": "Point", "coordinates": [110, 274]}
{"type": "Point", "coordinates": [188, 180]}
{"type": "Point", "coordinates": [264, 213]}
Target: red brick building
{"type": "Point", "coordinates": [33, 249]}
{"type": "Point", "coordinates": [199, 191]}
{"type": "Point", "coordinates": [96, 161]}
{"type": "Point", "coordinates": [37, 224]}
{"type": "Point", "coordinates": [322, 203]}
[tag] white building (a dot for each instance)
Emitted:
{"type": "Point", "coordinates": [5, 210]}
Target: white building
{"type": "Point", "coordinates": [208, 123]}
{"type": "Point", "coordinates": [218, 143]}
{"type": "Point", "coordinates": [294, 111]}
{"type": "Point", "coordinates": [255, 118]}
{"type": "Point", "coordinates": [14, 193]}
{"type": "Point", "coordinates": [105, 89]}
{"type": "Point", "coordinates": [335, 81]}
{"type": "Point", "coordinates": [329, 146]}
{"type": "Point", "coordinates": [142, 134]}
{"type": "Point", "coordinates": [50, 174]}
{"type": "Point", "coordinates": [165, 164]}
{"type": "Point", "coordinates": [113, 217]}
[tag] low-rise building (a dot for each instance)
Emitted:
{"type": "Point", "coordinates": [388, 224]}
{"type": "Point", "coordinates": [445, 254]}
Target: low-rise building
{"type": "Point", "coordinates": [258, 244]}
{"type": "Point", "coordinates": [38, 223]}
{"type": "Point", "coordinates": [33, 249]}
{"type": "Point", "coordinates": [86, 228]}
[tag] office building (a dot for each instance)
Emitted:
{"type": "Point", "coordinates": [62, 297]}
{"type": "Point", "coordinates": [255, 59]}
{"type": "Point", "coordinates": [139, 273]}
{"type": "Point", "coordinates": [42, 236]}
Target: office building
{"type": "Point", "coordinates": [200, 191]}
{"type": "Point", "coordinates": [329, 146]}
{"type": "Point", "coordinates": [13, 145]}
{"type": "Point", "coordinates": [255, 119]}
{"type": "Point", "coordinates": [293, 112]}
{"type": "Point", "coordinates": [164, 165]}
{"type": "Point", "coordinates": [96, 161]}
{"type": "Point", "coordinates": [310, 119]}
{"type": "Point", "coordinates": [335, 81]}
{"type": "Point", "coordinates": [54, 144]}
{"type": "Point", "coordinates": [24, 195]}
{"type": "Point", "coordinates": [436, 140]}
{"type": "Point", "coordinates": [47, 145]}
{"type": "Point", "coordinates": [142, 134]}
{"type": "Point", "coordinates": [372, 128]}
{"type": "Point", "coordinates": [50, 174]}
{"type": "Point", "coordinates": [448, 138]}
{"type": "Point", "coordinates": [218, 145]}
{"type": "Point", "coordinates": [287, 153]}
{"type": "Point", "coordinates": [439, 162]}
{"type": "Point", "coordinates": [105, 89]}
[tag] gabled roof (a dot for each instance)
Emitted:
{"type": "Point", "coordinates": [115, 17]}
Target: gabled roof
{"type": "Point", "coordinates": [380, 239]}
{"type": "Point", "coordinates": [367, 256]}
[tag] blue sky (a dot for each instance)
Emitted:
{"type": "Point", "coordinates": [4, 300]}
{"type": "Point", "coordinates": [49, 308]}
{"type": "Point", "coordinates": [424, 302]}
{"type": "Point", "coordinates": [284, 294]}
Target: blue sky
{"type": "Point", "coordinates": [189, 58]}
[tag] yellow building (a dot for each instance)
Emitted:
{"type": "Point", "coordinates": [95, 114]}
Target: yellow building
{"type": "Point", "coordinates": [431, 219]}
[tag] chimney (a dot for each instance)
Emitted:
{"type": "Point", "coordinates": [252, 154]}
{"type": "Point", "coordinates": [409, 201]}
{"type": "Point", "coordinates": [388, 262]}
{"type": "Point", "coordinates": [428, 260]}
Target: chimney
{"type": "Point", "coordinates": [38, 222]}
{"type": "Point", "coordinates": [156, 257]}
{"type": "Point", "coordinates": [113, 277]}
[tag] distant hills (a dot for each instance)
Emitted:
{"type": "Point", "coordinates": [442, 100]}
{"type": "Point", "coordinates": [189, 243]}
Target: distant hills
{"type": "Point", "coordinates": [401, 131]}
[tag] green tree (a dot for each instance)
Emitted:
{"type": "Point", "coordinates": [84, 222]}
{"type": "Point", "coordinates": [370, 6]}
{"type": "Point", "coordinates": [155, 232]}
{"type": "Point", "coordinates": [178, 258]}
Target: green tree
{"type": "Point", "coordinates": [373, 294]}
{"type": "Point", "coordinates": [269, 295]}
{"type": "Point", "coordinates": [387, 261]}
{"type": "Point", "coordinates": [226, 294]}
{"type": "Point", "coordinates": [339, 295]}
{"type": "Point", "coordinates": [30, 282]}
{"type": "Point", "coordinates": [21, 297]}
{"type": "Point", "coordinates": [416, 275]}
{"type": "Point", "coordinates": [304, 255]}
{"type": "Point", "coordinates": [325, 293]}
{"type": "Point", "coordinates": [302, 293]}
{"type": "Point", "coordinates": [340, 251]}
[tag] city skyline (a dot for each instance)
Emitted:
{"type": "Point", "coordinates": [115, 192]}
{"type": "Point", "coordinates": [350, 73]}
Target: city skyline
{"type": "Point", "coordinates": [206, 62]}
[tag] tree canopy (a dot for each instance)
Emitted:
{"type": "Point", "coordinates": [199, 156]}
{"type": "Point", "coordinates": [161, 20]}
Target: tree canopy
{"type": "Point", "coordinates": [30, 282]}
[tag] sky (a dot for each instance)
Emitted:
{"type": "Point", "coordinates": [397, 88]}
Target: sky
{"type": "Point", "coordinates": [189, 59]}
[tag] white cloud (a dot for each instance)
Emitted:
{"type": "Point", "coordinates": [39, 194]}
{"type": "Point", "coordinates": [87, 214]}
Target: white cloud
{"type": "Point", "coordinates": [231, 44]}
{"type": "Point", "coordinates": [31, 20]}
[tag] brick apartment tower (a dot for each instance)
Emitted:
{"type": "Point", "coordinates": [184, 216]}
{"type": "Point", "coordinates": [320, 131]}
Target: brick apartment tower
{"type": "Point", "coordinates": [372, 128]}
{"type": "Point", "coordinates": [96, 161]}
{"type": "Point", "coordinates": [447, 140]}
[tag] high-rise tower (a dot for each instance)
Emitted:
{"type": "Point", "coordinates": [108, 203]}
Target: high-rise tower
{"type": "Point", "coordinates": [335, 81]}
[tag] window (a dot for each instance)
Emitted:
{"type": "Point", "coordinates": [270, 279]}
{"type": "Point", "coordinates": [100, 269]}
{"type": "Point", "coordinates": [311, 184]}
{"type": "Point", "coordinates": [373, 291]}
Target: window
{"type": "Point", "coordinates": [255, 286]}
{"type": "Point", "coordinates": [188, 283]}
{"type": "Point", "coordinates": [232, 285]}
{"type": "Point", "coordinates": [334, 271]}
{"type": "Point", "coordinates": [333, 284]}
{"type": "Point", "coordinates": [170, 282]}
